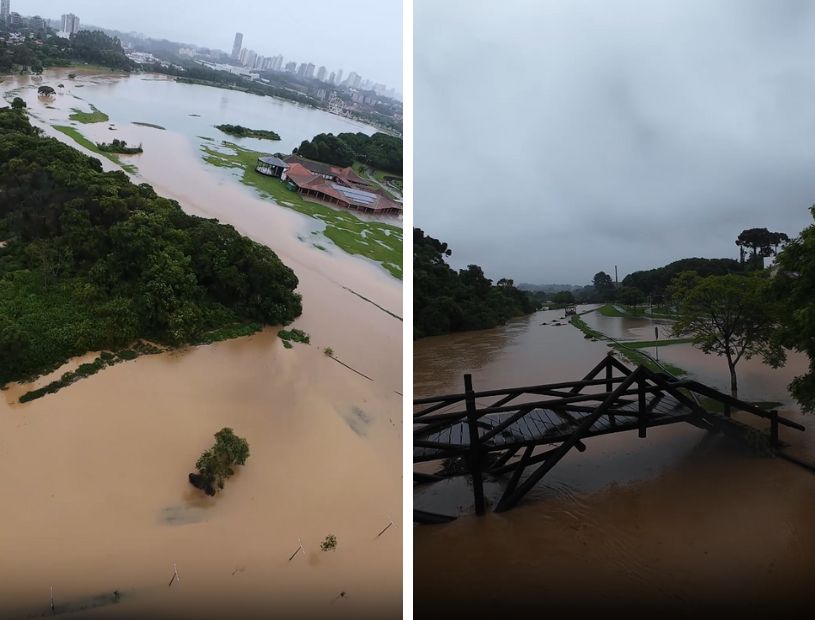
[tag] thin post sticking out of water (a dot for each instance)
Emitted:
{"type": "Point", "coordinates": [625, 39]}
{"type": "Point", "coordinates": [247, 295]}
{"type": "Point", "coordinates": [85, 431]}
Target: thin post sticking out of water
{"type": "Point", "coordinates": [385, 530]}
{"type": "Point", "coordinates": [51, 602]}
{"type": "Point", "coordinates": [175, 576]}
{"type": "Point", "coordinates": [299, 549]}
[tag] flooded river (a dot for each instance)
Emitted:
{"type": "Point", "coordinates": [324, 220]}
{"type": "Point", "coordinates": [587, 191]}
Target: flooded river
{"type": "Point", "coordinates": [677, 524]}
{"type": "Point", "coordinates": [96, 497]}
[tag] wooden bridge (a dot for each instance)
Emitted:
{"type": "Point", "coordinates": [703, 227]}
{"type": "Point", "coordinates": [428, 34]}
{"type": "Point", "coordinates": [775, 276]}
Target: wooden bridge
{"type": "Point", "coordinates": [530, 429]}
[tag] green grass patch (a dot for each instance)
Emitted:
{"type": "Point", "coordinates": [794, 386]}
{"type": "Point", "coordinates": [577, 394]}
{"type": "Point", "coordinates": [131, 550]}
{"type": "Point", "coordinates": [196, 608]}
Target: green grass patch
{"type": "Point", "coordinates": [293, 335]}
{"type": "Point", "coordinates": [635, 357]}
{"type": "Point", "coordinates": [644, 344]}
{"type": "Point", "coordinates": [583, 327]}
{"type": "Point", "coordinates": [377, 241]}
{"type": "Point", "coordinates": [94, 116]}
{"type": "Point", "coordinates": [149, 125]}
{"type": "Point", "coordinates": [228, 332]}
{"type": "Point", "coordinates": [81, 140]}
{"type": "Point", "coordinates": [626, 351]}
{"type": "Point", "coordinates": [610, 310]}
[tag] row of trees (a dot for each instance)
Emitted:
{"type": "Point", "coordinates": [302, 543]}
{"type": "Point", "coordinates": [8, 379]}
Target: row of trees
{"type": "Point", "coordinates": [379, 150]}
{"type": "Point", "coordinates": [445, 300]}
{"type": "Point", "coordinates": [49, 50]}
{"type": "Point", "coordinates": [90, 261]}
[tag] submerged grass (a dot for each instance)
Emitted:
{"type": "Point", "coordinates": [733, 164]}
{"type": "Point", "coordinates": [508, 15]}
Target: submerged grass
{"type": "Point", "coordinates": [94, 116]}
{"type": "Point", "coordinates": [105, 359]}
{"type": "Point", "coordinates": [628, 349]}
{"type": "Point", "coordinates": [81, 140]}
{"type": "Point", "coordinates": [149, 125]}
{"type": "Point", "coordinates": [293, 335]}
{"type": "Point", "coordinates": [108, 358]}
{"type": "Point", "coordinates": [378, 241]}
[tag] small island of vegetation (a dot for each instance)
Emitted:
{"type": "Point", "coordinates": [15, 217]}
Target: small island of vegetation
{"type": "Point", "coordinates": [245, 132]}
{"type": "Point", "coordinates": [92, 262]}
{"type": "Point", "coordinates": [119, 146]}
{"type": "Point", "coordinates": [217, 464]}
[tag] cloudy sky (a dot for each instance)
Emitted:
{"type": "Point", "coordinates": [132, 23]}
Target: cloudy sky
{"type": "Point", "coordinates": [357, 35]}
{"type": "Point", "coordinates": [555, 139]}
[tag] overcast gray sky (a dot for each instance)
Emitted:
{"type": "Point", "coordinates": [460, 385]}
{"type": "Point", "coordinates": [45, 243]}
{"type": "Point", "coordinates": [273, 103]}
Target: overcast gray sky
{"type": "Point", "coordinates": [555, 139]}
{"type": "Point", "coordinates": [355, 35]}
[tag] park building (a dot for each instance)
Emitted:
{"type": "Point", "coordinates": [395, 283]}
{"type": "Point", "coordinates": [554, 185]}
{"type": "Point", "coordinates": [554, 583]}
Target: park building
{"type": "Point", "coordinates": [324, 183]}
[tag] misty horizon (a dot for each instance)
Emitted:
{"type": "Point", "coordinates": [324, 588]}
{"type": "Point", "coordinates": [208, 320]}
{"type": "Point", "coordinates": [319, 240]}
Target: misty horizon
{"type": "Point", "coordinates": [265, 30]}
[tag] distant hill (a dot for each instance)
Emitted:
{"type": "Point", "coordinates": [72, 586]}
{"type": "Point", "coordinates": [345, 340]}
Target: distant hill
{"type": "Point", "coordinates": [549, 288]}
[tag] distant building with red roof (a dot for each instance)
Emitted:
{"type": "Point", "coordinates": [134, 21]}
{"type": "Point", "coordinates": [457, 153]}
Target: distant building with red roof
{"type": "Point", "coordinates": [330, 184]}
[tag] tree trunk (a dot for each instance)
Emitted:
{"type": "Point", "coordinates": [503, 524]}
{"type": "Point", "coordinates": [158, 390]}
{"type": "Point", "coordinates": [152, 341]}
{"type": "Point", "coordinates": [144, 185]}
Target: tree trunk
{"type": "Point", "coordinates": [734, 389]}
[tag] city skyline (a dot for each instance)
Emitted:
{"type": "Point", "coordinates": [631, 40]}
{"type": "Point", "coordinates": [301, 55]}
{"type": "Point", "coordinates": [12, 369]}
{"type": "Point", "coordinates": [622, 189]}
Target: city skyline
{"type": "Point", "coordinates": [326, 43]}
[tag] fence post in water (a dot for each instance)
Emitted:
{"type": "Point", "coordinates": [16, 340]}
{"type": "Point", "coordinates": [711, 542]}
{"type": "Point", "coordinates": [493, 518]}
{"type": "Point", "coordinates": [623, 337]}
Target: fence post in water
{"type": "Point", "coordinates": [641, 404]}
{"type": "Point", "coordinates": [774, 427]}
{"type": "Point", "coordinates": [51, 602]}
{"type": "Point", "coordinates": [475, 445]}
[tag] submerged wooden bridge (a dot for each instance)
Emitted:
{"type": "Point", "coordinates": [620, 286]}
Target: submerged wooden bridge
{"type": "Point", "coordinates": [530, 429]}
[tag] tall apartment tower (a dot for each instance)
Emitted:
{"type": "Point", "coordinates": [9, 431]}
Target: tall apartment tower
{"type": "Point", "coordinates": [70, 23]}
{"type": "Point", "coordinates": [237, 45]}
{"type": "Point", "coordinates": [5, 8]}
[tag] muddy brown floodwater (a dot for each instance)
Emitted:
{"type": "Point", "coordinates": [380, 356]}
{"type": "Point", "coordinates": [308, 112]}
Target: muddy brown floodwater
{"type": "Point", "coordinates": [95, 493]}
{"type": "Point", "coordinates": [679, 524]}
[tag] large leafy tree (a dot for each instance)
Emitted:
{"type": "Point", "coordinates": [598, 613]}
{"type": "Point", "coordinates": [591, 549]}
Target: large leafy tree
{"type": "Point", "coordinates": [758, 243]}
{"type": "Point", "coordinates": [603, 285]}
{"type": "Point", "coordinates": [218, 463]}
{"type": "Point", "coordinates": [794, 286]}
{"type": "Point", "coordinates": [732, 316]}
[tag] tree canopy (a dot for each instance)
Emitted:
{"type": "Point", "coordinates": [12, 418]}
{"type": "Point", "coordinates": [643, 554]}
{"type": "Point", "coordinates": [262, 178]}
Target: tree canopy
{"type": "Point", "coordinates": [445, 300]}
{"type": "Point", "coordinates": [761, 243]}
{"type": "Point", "coordinates": [379, 150]}
{"type": "Point", "coordinates": [217, 464]}
{"type": "Point", "coordinates": [793, 286]}
{"type": "Point", "coordinates": [732, 316]}
{"type": "Point", "coordinates": [656, 281]}
{"type": "Point", "coordinates": [91, 261]}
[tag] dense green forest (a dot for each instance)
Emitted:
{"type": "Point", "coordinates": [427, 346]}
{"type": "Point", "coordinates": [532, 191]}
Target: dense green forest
{"type": "Point", "coordinates": [90, 261]}
{"type": "Point", "coordinates": [49, 50]}
{"type": "Point", "coordinates": [379, 150]}
{"type": "Point", "coordinates": [445, 300]}
{"type": "Point", "coordinates": [655, 281]}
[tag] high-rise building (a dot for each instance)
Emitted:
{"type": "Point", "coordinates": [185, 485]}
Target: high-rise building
{"type": "Point", "coordinates": [242, 55]}
{"type": "Point", "coordinates": [309, 70]}
{"type": "Point", "coordinates": [38, 23]}
{"type": "Point", "coordinates": [5, 9]}
{"type": "Point", "coordinates": [249, 59]}
{"type": "Point", "coordinates": [339, 77]}
{"type": "Point", "coordinates": [321, 73]}
{"type": "Point", "coordinates": [291, 66]}
{"type": "Point", "coordinates": [353, 80]}
{"type": "Point", "coordinates": [70, 24]}
{"type": "Point", "coordinates": [331, 78]}
{"type": "Point", "coordinates": [237, 45]}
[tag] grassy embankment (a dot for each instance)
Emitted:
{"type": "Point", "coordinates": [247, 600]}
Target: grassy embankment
{"type": "Point", "coordinates": [94, 116]}
{"type": "Point", "coordinates": [81, 140]}
{"type": "Point", "coordinates": [634, 312]}
{"type": "Point", "coordinates": [628, 349]}
{"type": "Point", "coordinates": [375, 240]}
